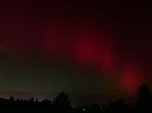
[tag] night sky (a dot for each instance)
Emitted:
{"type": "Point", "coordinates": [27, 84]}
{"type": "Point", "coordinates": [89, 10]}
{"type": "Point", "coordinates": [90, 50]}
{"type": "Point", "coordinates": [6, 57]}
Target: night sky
{"type": "Point", "coordinates": [80, 47]}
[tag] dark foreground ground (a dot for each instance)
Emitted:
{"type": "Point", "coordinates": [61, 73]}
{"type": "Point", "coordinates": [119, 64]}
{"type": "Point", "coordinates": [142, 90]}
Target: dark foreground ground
{"type": "Point", "coordinates": [62, 104]}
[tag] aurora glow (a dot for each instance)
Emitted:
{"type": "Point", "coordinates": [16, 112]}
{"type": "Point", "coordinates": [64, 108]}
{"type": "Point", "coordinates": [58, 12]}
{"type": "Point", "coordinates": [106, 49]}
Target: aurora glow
{"type": "Point", "coordinates": [95, 47]}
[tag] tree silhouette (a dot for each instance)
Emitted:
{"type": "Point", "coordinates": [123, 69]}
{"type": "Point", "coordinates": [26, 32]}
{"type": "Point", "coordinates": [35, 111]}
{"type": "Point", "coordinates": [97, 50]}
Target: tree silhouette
{"type": "Point", "coordinates": [144, 93]}
{"type": "Point", "coordinates": [62, 102]}
{"type": "Point", "coordinates": [11, 99]}
{"type": "Point", "coordinates": [144, 103]}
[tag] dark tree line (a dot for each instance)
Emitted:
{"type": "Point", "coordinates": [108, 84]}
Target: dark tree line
{"type": "Point", "coordinates": [61, 104]}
